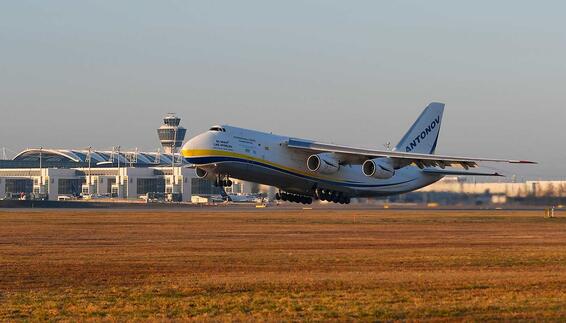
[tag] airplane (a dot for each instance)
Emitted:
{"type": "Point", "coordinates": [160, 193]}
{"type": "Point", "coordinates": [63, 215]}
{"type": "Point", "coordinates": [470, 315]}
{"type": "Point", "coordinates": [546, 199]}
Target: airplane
{"type": "Point", "coordinates": [240, 198]}
{"type": "Point", "coordinates": [306, 170]}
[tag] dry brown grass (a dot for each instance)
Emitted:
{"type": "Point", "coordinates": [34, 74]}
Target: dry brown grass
{"type": "Point", "coordinates": [282, 265]}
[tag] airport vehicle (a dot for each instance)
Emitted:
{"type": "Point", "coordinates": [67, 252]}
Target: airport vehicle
{"type": "Point", "coordinates": [92, 196]}
{"type": "Point", "coordinates": [305, 169]}
{"type": "Point", "coordinates": [241, 198]}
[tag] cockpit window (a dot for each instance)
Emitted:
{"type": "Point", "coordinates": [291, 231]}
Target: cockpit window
{"type": "Point", "coordinates": [219, 129]}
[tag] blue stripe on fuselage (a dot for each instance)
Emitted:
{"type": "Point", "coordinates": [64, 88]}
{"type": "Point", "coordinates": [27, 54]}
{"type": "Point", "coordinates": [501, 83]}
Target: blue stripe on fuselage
{"type": "Point", "coordinates": [220, 159]}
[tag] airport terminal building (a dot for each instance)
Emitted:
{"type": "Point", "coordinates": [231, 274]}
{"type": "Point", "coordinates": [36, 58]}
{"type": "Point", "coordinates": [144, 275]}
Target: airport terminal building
{"type": "Point", "coordinates": [55, 173]}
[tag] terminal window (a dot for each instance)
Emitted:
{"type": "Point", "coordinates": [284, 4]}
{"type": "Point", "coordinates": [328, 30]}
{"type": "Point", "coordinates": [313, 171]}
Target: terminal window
{"type": "Point", "coordinates": [71, 186]}
{"type": "Point", "coordinates": [150, 185]}
{"type": "Point", "coordinates": [19, 185]}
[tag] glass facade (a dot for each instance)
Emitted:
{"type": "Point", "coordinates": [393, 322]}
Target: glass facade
{"type": "Point", "coordinates": [45, 157]}
{"type": "Point", "coordinates": [172, 120]}
{"type": "Point", "coordinates": [204, 187]}
{"type": "Point", "coordinates": [168, 135]}
{"type": "Point", "coordinates": [19, 185]}
{"type": "Point", "coordinates": [70, 186]}
{"type": "Point", "coordinates": [150, 185]}
{"type": "Point", "coordinates": [109, 183]}
{"type": "Point", "coordinates": [79, 158]}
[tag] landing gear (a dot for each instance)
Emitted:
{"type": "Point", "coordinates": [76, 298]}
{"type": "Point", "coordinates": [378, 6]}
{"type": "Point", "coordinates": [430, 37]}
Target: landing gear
{"type": "Point", "coordinates": [319, 194]}
{"type": "Point", "coordinates": [223, 182]}
{"type": "Point", "coordinates": [332, 196]}
{"type": "Point", "coordinates": [295, 198]}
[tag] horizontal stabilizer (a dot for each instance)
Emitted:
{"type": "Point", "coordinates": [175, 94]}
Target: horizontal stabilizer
{"type": "Point", "coordinates": [458, 173]}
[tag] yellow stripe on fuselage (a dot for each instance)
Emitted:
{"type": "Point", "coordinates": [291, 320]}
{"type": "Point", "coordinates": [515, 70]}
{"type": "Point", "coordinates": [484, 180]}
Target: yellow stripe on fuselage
{"type": "Point", "coordinates": [221, 153]}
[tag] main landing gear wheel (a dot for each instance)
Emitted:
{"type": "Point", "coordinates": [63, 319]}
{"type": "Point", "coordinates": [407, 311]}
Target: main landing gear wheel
{"type": "Point", "coordinates": [295, 198]}
{"type": "Point", "coordinates": [332, 196]}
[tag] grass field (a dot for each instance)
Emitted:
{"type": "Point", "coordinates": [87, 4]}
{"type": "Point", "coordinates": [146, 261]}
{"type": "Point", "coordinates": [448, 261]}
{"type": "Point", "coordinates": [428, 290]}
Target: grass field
{"type": "Point", "coordinates": [282, 265]}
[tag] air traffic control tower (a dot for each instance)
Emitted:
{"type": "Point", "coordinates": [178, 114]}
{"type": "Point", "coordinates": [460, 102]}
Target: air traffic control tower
{"type": "Point", "coordinates": [171, 135]}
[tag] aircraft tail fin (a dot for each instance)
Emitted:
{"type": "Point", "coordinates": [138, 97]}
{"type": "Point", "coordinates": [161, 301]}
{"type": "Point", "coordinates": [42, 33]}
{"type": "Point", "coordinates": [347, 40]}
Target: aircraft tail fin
{"type": "Point", "coordinates": [422, 137]}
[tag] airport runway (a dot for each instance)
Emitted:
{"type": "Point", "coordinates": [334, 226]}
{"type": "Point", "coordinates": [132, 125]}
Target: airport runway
{"type": "Point", "coordinates": [266, 264]}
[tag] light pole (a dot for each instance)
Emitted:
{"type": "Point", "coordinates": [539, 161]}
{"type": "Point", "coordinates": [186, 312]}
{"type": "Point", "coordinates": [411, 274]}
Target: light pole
{"type": "Point", "coordinates": [119, 175]}
{"type": "Point", "coordinates": [118, 156]}
{"type": "Point", "coordinates": [40, 158]}
{"type": "Point", "coordinates": [40, 170]}
{"type": "Point", "coordinates": [89, 170]}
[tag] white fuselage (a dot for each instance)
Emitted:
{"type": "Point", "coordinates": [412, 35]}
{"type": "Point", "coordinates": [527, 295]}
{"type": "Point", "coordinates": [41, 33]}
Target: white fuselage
{"type": "Point", "coordinates": [265, 158]}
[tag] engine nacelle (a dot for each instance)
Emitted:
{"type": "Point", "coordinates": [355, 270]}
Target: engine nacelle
{"type": "Point", "coordinates": [203, 174]}
{"type": "Point", "coordinates": [380, 168]}
{"type": "Point", "coordinates": [324, 163]}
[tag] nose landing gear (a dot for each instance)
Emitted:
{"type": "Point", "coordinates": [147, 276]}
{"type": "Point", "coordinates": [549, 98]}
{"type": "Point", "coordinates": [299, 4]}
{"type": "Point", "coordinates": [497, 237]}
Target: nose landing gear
{"type": "Point", "coordinates": [223, 182]}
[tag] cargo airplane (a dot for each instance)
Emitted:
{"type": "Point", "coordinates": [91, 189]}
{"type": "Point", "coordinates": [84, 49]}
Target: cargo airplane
{"type": "Point", "coordinates": [304, 170]}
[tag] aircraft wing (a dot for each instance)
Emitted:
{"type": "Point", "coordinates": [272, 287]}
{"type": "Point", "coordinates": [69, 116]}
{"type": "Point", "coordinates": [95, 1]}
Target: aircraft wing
{"type": "Point", "coordinates": [445, 172]}
{"type": "Point", "coordinates": [356, 156]}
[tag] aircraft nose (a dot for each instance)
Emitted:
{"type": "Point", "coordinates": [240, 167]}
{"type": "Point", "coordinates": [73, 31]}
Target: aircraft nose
{"type": "Point", "coordinates": [186, 148]}
{"type": "Point", "coordinates": [194, 144]}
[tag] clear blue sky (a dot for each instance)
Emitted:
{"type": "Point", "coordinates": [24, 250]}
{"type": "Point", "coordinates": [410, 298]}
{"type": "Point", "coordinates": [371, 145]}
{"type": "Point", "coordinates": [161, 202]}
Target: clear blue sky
{"type": "Point", "coordinates": [102, 73]}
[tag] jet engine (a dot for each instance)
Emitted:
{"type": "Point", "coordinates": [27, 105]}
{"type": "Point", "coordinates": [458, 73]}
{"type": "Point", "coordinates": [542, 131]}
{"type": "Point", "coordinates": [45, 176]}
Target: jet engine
{"type": "Point", "coordinates": [203, 174]}
{"type": "Point", "coordinates": [380, 168]}
{"type": "Point", "coordinates": [324, 163]}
